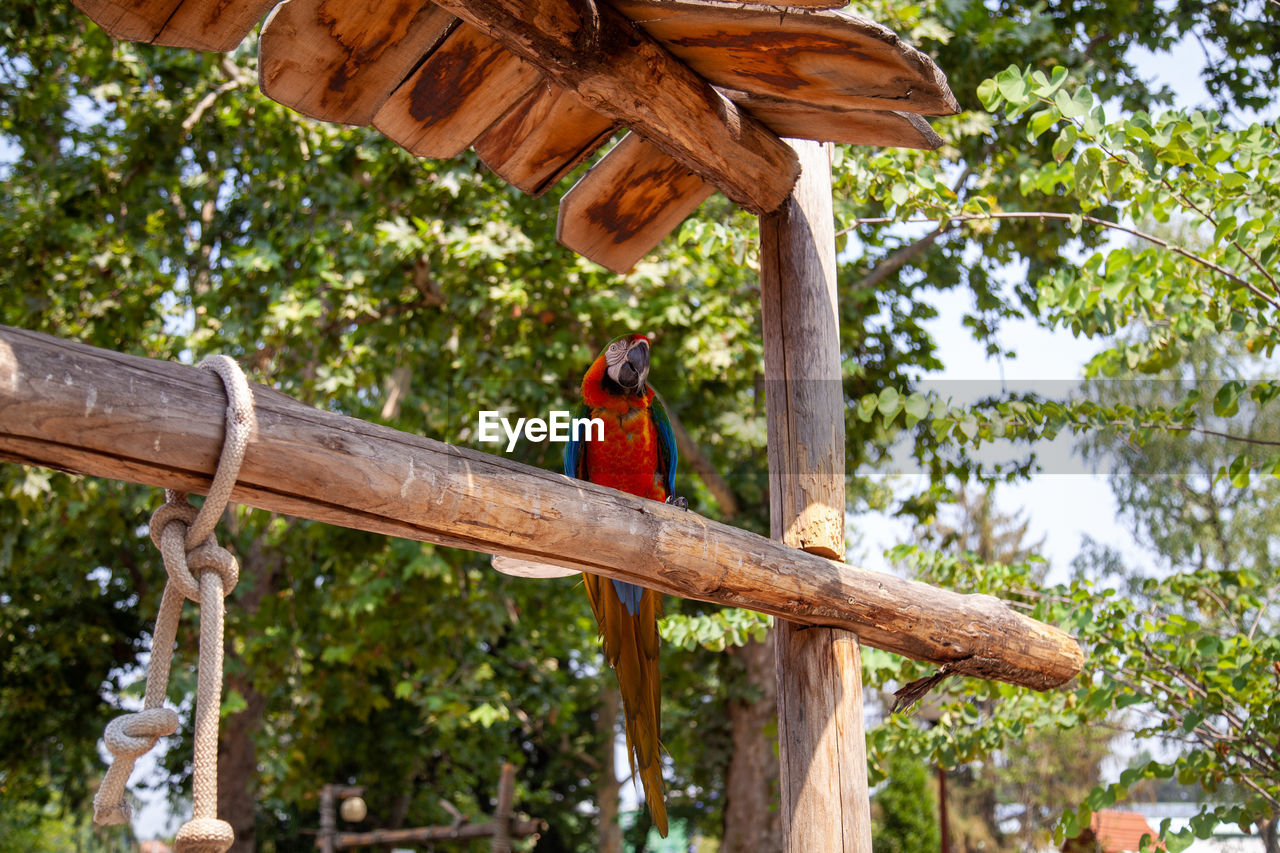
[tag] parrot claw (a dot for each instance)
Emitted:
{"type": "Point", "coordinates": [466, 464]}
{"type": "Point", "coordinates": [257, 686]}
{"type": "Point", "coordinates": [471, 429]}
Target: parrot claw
{"type": "Point", "coordinates": [682, 503]}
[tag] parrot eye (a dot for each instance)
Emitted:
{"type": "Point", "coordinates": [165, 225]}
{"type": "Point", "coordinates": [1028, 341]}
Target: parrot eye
{"type": "Point", "coordinates": [616, 352]}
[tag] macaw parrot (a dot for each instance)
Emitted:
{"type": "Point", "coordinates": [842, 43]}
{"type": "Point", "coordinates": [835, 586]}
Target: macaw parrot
{"type": "Point", "coordinates": [637, 455]}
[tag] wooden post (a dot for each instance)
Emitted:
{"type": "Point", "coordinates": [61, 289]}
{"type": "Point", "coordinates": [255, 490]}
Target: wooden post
{"type": "Point", "coordinates": [825, 804]}
{"type": "Point", "coordinates": [503, 814]}
{"type": "Point", "coordinates": [328, 820]}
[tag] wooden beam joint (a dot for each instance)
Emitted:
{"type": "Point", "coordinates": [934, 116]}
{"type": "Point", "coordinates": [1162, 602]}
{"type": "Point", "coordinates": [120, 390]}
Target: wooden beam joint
{"type": "Point", "coordinates": [616, 68]}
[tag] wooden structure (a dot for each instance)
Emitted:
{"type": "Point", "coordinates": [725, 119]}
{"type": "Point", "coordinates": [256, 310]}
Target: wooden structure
{"type": "Point", "coordinates": [504, 826]}
{"type": "Point", "coordinates": [706, 90]}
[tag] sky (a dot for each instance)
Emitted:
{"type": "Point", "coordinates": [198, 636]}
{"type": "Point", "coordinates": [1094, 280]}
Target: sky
{"type": "Point", "coordinates": [1061, 507]}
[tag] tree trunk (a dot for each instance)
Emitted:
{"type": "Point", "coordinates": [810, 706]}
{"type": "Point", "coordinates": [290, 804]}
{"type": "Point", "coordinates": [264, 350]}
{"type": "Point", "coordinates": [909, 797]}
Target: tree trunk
{"type": "Point", "coordinates": [607, 786]}
{"type": "Point", "coordinates": [752, 823]}
{"type": "Point", "coordinates": [1268, 829]}
{"type": "Point", "coordinates": [237, 753]}
{"type": "Point", "coordinates": [238, 765]}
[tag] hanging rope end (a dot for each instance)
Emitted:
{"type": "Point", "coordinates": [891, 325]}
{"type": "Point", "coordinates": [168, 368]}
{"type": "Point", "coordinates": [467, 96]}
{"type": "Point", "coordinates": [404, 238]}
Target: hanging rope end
{"type": "Point", "coordinates": [111, 814]}
{"type": "Point", "coordinates": [204, 835]}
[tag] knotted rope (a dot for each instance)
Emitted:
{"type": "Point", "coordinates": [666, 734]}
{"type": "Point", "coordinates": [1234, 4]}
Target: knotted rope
{"type": "Point", "coordinates": [200, 570]}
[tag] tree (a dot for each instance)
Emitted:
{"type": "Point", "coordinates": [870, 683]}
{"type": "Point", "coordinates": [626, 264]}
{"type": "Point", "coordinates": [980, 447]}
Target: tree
{"type": "Point", "coordinates": [171, 225]}
{"type": "Point", "coordinates": [1213, 537]}
{"type": "Point", "coordinates": [905, 816]}
{"type": "Point", "coordinates": [55, 827]}
{"type": "Point", "coordinates": [1011, 796]}
{"type": "Point", "coordinates": [1080, 171]}
{"type": "Point", "coordinates": [1185, 654]}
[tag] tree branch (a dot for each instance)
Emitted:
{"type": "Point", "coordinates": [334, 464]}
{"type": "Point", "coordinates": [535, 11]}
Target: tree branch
{"type": "Point", "coordinates": [235, 78]}
{"type": "Point", "coordinates": [1092, 220]}
{"type": "Point", "coordinates": [1213, 432]}
{"type": "Point", "coordinates": [692, 454]}
{"type": "Point", "coordinates": [901, 257]}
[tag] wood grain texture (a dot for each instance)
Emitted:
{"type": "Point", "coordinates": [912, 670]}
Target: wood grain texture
{"type": "Point", "coordinates": [542, 138]}
{"type": "Point", "coordinates": [463, 87]}
{"type": "Point", "coordinates": [786, 7]}
{"type": "Point", "coordinates": [821, 58]}
{"type": "Point", "coordinates": [822, 744]}
{"type": "Point", "coordinates": [339, 60]}
{"type": "Point", "coordinates": [621, 209]}
{"type": "Point", "coordinates": [73, 407]}
{"type": "Point", "coordinates": [881, 128]}
{"type": "Point", "coordinates": [803, 390]}
{"type": "Point", "coordinates": [617, 70]}
{"type": "Point", "coordinates": [140, 20]}
{"type": "Point", "coordinates": [217, 25]}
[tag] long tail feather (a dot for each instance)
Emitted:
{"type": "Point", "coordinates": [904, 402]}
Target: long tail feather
{"type": "Point", "coordinates": [630, 643]}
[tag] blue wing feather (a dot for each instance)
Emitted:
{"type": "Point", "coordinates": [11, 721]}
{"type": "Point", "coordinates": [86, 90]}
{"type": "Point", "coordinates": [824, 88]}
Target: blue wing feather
{"type": "Point", "coordinates": [575, 460]}
{"type": "Point", "coordinates": [667, 455]}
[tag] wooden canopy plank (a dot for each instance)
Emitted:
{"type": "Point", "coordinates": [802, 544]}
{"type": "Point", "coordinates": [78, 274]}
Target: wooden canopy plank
{"type": "Point", "coordinates": [627, 203]}
{"type": "Point", "coordinates": [884, 128]}
{"type": "Point", "coordinates": [543, 137]}
{"type": "Point", "coordinates": [792, 4]}
{"type": "Point", "coordinates": [822, 58]}
{"type": "Point", "coordinates": [140, 20]}
{"type": "Point", "coordinates": [617, 70]}
{"type": "Point", "coordinates": [78, 408]}
{"type": "Point", "coordinates": [463, 87]}
{"type": "Point", "coordinates": [217, 25]}
{"type": "Point", "coordinates": [339, 60]}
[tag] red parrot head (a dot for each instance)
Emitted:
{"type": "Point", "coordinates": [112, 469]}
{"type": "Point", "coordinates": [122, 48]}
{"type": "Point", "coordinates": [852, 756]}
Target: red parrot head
{"type": "Point", "coordinates": [626, 361]}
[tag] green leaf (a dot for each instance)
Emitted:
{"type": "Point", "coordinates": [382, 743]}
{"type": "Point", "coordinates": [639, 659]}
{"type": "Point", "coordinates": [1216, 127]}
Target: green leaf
{"type": "Point", "coordinates": [867, 405]}
{"type": "Point", "coordinates": [1048, 88]}
{"type": "Point", "coordinates": [1087, 170]}
{"type": "Point", "coordinates": [1240, 470]}
{"type": "Point", "coordinates": [889, 402]}
{"type": "Point", "coordinates": [1041, 121]}
{"type": "Point", "coordinates": [1065, 142]}
{"type": "Point", "coordinates": [487, 714]}
{"type": "Point", "coordinates": [917, 408]}
{"type": "Point", "coordinates": [1012, 85]}
{"type": "Point", "coordinates": [989, 94]}
{"type": "Point", "coordinates": [1226, 403]}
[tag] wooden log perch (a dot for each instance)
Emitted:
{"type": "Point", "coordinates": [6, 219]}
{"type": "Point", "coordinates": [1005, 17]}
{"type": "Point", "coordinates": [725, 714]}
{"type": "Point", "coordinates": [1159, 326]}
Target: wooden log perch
{"type": "Point", "coordinates": [73, 407]}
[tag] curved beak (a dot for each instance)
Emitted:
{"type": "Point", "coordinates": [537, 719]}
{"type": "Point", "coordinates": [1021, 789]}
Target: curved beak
{"type": "Point", "coordinates": [634, 370]}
